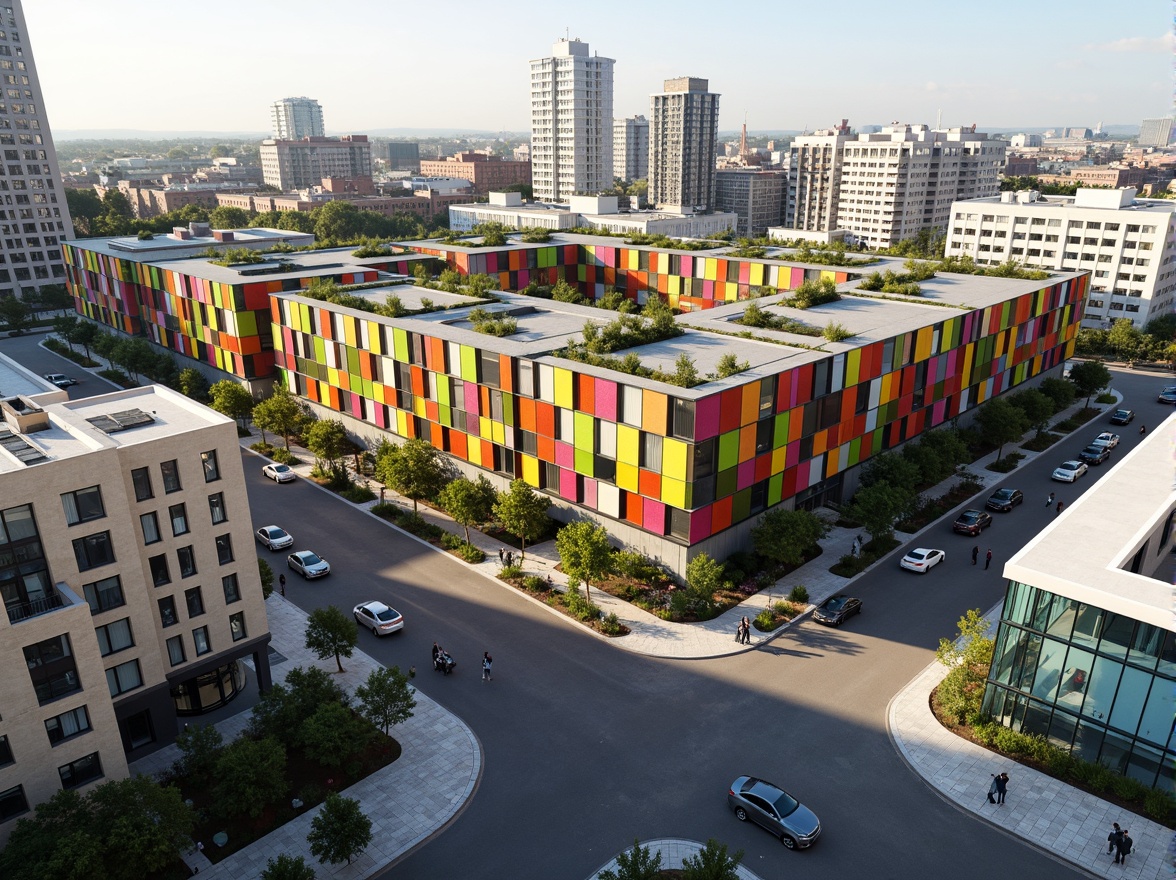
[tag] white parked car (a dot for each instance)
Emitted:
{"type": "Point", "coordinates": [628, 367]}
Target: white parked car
{"type": "Point", "coordinates": [61, 380]}
{"type": "Point", "coordinates": [922, 559]}
{"type": "Point", "coordinates": [279, 473]}
{"type": "Point", "coordinates": [1069, 471]}
{"type": "Point", "coordinates": [1107, 439]}
{"type": "Point", "coordinates": [381, 619]}
{"type": "Point", "coordinates": [307, 564]}
{"type": "Point", "coordinates": [274, 538]}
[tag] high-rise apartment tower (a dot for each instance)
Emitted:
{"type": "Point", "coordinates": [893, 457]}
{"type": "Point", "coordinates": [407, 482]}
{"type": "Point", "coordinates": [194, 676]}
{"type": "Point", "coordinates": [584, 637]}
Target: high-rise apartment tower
{"type": "Point", "coordinates": [1156, 132]}
{"type": "Point", "coordinates": [631, 148]}
{"type": "Point", "coordinates": [684, 125]}
{"type": "Point", "coordinates": [34, 217]}
{"type": "Point", "coordinates": [296, 118]}
{"type": "Point", "coordinates": [571, 122]}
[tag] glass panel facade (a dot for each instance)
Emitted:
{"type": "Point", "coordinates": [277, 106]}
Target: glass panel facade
{"type": "Point", "coordinates": [1097, 683]}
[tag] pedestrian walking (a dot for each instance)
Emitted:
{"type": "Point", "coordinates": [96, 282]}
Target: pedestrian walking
{"type": "Point", "coordinates": [1123, 848]}
{"type": "Point", "coordinates": [1114, 837]}
{"type": "Point", "coordinates": [1002, 784]}
{"type": "Point", "coordinates": [739, 631]}
{"type": "Point", "coordinates": [282, 583]}
{"type": "Point", "coordinates": [501, 551]}
{"type": "Point", "coordinates": [988, 559]}
{"type": "Point", "coordinates": [746, 631]}
{"type": "Point", "coordinates": [487, 662]}
{"type": "Point", "coordinates": [1061, 504]}
{"type": "Point", "coordinates": [992, 790]}
{"type": "Point", "coordinates": [199, 846]}
{"type": "Point", "coordinates": [1050, 500]}
{"type": "Point", "coordinates": [975, 553]}
{"type": "Point", "coordinates": [509, 559]}
{"type": "Point", "coordinates": [1142, 430]}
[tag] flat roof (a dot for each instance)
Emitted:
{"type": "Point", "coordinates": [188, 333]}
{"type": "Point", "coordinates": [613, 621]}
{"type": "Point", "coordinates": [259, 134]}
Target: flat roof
{"type": "Point", "coordinates": [162, 245]}
{"type": "Point", "coordinates": [1084, 553]}
{"type": "Point", "coordinates": [1057, 203]}
{"type": "Point", "coordinates": [72, 434]}
{"type": "Point", "coordinates": [19, 381]}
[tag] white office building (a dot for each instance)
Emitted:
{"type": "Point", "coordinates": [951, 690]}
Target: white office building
{"type": "Point", "coordinates": [1156, 132]}
{"type": "Point", "coordinates": [571, 122]}
{"type": "Point", "coordinates": [296, 118]}
{"type": "Point", "coordinates": [683, 130]}
{"type": "Point", "coordinates": [34, 217]}
{"type": "Point", "coordinates": [1127, 244]}
{"type": "Point", "coordinates": [814, 180]}
{"type": "Point", "coordinates": [631, 148]}
{"type": "Point", "coordinates": [905, 178]}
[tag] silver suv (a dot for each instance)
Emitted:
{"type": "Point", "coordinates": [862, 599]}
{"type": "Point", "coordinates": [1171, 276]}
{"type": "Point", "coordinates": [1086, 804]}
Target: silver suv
{"type": "Point", "coordinates": [774, 809]}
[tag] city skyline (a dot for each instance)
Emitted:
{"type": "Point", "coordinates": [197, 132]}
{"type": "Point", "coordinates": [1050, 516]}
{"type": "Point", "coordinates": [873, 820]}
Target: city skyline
{"type": "Point", "coordinates": [890, 67]}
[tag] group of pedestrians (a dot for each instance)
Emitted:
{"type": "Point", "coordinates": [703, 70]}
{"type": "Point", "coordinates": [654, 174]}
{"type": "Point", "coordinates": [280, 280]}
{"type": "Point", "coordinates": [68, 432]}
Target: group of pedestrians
{"type": "Point", "coordinates": [987, 556]}
{"type": "Point", "coordinates": [1049, 502]}
{"type": "Point", "coordinates": [743, 632]}
{"type": "Point", "coordinates": [443, 662]}
{"type": "Point", "coordinates": [998, 789]}
{"type": "Point", "coordinates": [505, 557]}
{"type": "Point", "coordinates": [1120, 843]}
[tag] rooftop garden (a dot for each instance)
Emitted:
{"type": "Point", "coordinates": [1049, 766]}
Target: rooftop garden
{"type": "Point", "coordinates": [233, 256]}
{"type": "Point", "coordinates": [493, 323]}
{"type": "Point", "coordinates": [904, 283]}
{"type": "Point", "coordinates": [965, 265]}
{"type": "Point", "coordinates": [811, 293]}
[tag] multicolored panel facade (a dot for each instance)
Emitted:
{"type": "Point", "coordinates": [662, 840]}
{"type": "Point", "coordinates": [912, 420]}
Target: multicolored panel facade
{"type": "Point", "coordinates": [686, 280]}
{"type": "Point", "coordinates": [680, 463]}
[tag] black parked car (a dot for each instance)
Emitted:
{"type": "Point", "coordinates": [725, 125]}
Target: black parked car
{"type": "Point", "coordinates": [1094, 454]}
{"type": "Point", "coordinates": [835, 610]}
{"type": "Point", "coordinates": [972, 522]}
{"type": "Point", "coordinates": [1005, 499]}
{"type": "Point", "coordinates": [1122, 417]}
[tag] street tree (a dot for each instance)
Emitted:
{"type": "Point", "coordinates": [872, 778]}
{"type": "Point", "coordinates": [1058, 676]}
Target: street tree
{"type": "Point", "coordinates": [784, 536]}
{"type": "Point", "coordinates": [877, 507]}
{"type": "Point", "coordinates": [194, 384]}
{"type": "Point", "coordinates": [414, 469]}
{"type": "Point", "coordinates": [54, 298]}
{"type": "Point", "coordinates": [287, 867]}
{"type": "Point", "coordinates": [1090, 377]}
{"type": "Point", "coordinates": [135, 355]}
{"type": "Point", "coordinates": [1037, 408]}
{"type": "Point", "coordinates": [704, 576]}
{"type": "Point", "coordinates": [1125, 339]}
{"type": "Point", "coordinates": [340, 831]}
{"type": "Point", "coordinates": [66, 326]}
{"type": "Point", "coordinates": [469, 502]}
{"type": "Point", "coordinates": [386, 697]}
{"type": "Point", "coordinates": [226, 217]}
{"type": "Point", "coordinates": [331, 633]}
{"type": "Point", "coordinates": [280, 414]}
{"type": "Point", "coordinates": [231, 399]}
{"type": "Point", "coordinates": [1000, 422]}
{"type": "Point", "coordinates": [712, 862]}
{"type": "Point", "coordinates": [201, 745]}
{"type": "Point", "coordinates": [250, 775]}
{"type": "Point", "coordinates": [328, 440]}
{"type": "Point", "coordinates": [15, 313]}
{"type": "Point", "coordinates": [638, 863]}
{"type": "Point", "coordinates": [87, 333]}
{"type": "Point", "coordinates": [522, 512]}
{"type": "Point", "coordinates": [968, 656]}
{"type": "Point", "coordinates": [333, 735]}
{"type": "Point", "coordinates": [1060, 391]}
{"type": "Point", "coordinates": [892, 468]}
{"type": "Point", "coordinates": [584, 553]}
{"type": "Point", "coordinates": [267, 577]}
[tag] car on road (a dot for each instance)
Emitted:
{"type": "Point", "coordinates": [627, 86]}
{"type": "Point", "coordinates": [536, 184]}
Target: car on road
{"type": "Point", "coordinates": [922, 559]}
{"type": "Point", "coordinates": [771, 807]}
{"type": "Point", "coordinates": [1122, 416]}
{"type": "Point", "coordinates": [1107, 439]}
{"type": "Point", "coordinates": [1167, 395]}
{"type": "Point", "coordinates": [972, 522]}
{"type": "Point", "coordinates": [309, 565]}
{"type": "Point", "coordinates": [1005, 499]}
{"type": "Point", "coordinates": [835, 610]}
{"type": "Point", "coordinates": [61, 380]}
{"type": "Point", "coordinates": [279, 473]}
{"type": "Point", "coordinates": [1069, 471]}
{"type": "Point", "coordinates": [274, 537]}
{"type": "Point", "coordinates": [381, 619]}
{"type": "Point", "coordinates": [1094, 454]}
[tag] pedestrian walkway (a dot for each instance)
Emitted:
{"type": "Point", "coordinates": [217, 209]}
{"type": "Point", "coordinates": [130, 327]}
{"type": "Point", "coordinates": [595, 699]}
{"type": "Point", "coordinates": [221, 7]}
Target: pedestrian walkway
{"type": "Point", "coordinates": [408, 801]}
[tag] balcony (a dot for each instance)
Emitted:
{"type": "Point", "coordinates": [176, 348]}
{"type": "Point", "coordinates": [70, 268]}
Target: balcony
{"type": "Point", "coordinates": [58, 597]}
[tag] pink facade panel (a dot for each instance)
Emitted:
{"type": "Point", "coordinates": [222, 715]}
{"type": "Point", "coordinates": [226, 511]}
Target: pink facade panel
{"type": "Point", "coordinates": [565, 455]}
{"type": "Point", "coordinates": [706, 417]}
{"type": "Point", "coordinates": [653, 517]}
{"type": "Point", "coordinates": [606, 400]}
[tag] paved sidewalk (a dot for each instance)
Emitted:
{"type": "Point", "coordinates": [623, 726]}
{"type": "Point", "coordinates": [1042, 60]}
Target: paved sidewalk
{"type": "Point", "coordinates": [408, 801]}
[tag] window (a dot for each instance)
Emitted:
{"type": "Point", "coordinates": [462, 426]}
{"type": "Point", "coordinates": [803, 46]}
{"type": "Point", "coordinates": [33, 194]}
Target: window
{"type": "Point", "coordinates": [81, 771]}
{"type": "Point", "coordinates": [124, 677]}
{"type": "Point", "coordinates": [141, 477]}
{"type": "Point", "coordinates": [195, 602]}
{"type": "Point", "coordinates": [12, 803]}
{"type": "Point", "coordinates": [159, 572]}
{"type": "Point", "coordinates": [83, 505]}
{"type": "Point", "coordinates": [51, 668]}
{"type": "Point", "coordinates": [179, 519]}
{"type": "Point", "coordinates": [187, 558]}
{"type": "Point", "coordinates": [224, 549]}
{"type": "Point", "coordinates": [5, 751]}
{"type": "Point", "coordinates": [200, 638]}
{"type": "Point", "coordinates": [167, 611]}
{"type": "Point", "coordinates": [232, 589]}
{"type": "Point", "coordinates": [237, 625]}
{"type": "Point", "coordinates": [149, 523]}
{"type": "Point", "coordinates": [115, 637]}
{"type": "Point", "coordinates": [651, 451]}
{"type": "Point", "coordinates": [175, 650]}
{"type": "Point", "coordinates": [104, 594]}
{"type": "Point", "coordinates": [211, 467]}
{"type": "Point", "coordinates": [216, 507]}
{"type": "Point", "coordinates": [137, 730]}
{"type": "Point", "coordinates": [67, 724]}
{"type": "Point", "coordinates": [93, 551]}
{"type": "Point", "coordinates": [171, 476]}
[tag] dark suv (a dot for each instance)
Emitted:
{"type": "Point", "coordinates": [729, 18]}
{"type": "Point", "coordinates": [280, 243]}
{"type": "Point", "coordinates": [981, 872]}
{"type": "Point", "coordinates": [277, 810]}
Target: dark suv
{"type": "Point", "coordinates": [972, 522]}
{"type": "Point", "coordinates": [1094, 454]}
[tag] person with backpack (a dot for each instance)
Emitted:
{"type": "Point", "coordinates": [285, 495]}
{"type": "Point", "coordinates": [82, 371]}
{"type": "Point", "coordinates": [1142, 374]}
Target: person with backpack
{"type": "Point", "coordinates": [1123, 848]}
{"type": "Point", "coordinates": [1002, 784]}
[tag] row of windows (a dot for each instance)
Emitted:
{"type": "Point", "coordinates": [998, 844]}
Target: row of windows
{"type": "Point", "coordinates": [177, 515]}
{"type": "Point", "coordinates": [73, 775]}
{"type": "Point", "coordinates": [170, 475]}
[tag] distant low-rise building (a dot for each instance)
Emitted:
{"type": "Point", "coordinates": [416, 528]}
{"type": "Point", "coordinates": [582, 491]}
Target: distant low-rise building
{"type": "Point", "coordinates": [484, 171]}
{"type": "Point", "coordinates": [291, 165]}
{"type": "Point", "coordinates": [631, 148]}
{"type": "Point", "coordinates": [756, 197]}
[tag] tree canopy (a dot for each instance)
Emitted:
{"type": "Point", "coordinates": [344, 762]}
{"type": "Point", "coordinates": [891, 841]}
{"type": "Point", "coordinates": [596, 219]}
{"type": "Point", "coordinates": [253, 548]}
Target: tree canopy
{"type": "Point", "coordinates": [522, 512]}
{"type": "Point", "coordinates": [584, 552]}
{"type": "Point", "coordinates": [340, 831]}
{"type": "Point", "coordinates": [415, 469]}
{"type": "Point", "coordinates": [331, 633]}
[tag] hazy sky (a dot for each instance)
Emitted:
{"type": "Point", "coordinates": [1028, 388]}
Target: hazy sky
{"type": "Point", "coordinates": [151, 65]}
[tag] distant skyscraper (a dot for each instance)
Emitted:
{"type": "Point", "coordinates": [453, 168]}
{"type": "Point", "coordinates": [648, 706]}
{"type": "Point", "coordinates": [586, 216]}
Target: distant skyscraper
{"type": "Point", "coordinates": [1156, 132]}
{"type": "Point", "coordinates": [571, 122]}
{"type": "Point", "coordinates": [404, 156]}
{"type": "Point", "coordinates": [35, 221]}
{"type": "Point", "coordinates": [684, 125]}
{"type": "Point", "coordinates": [631, 148]}
{"type": "Point", "coordinates": [291, 165]}
{"type": "Point", "coordinates": [296, 118]}
{"type": "Point", "coordinates": [814, 179]}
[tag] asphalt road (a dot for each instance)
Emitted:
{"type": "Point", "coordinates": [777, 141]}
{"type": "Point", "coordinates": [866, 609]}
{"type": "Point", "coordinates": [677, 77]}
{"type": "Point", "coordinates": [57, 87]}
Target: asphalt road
{"type": "Point", "coordinates": [588, 747]}
{"type": "Point", "coordinates": [27, 351]}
